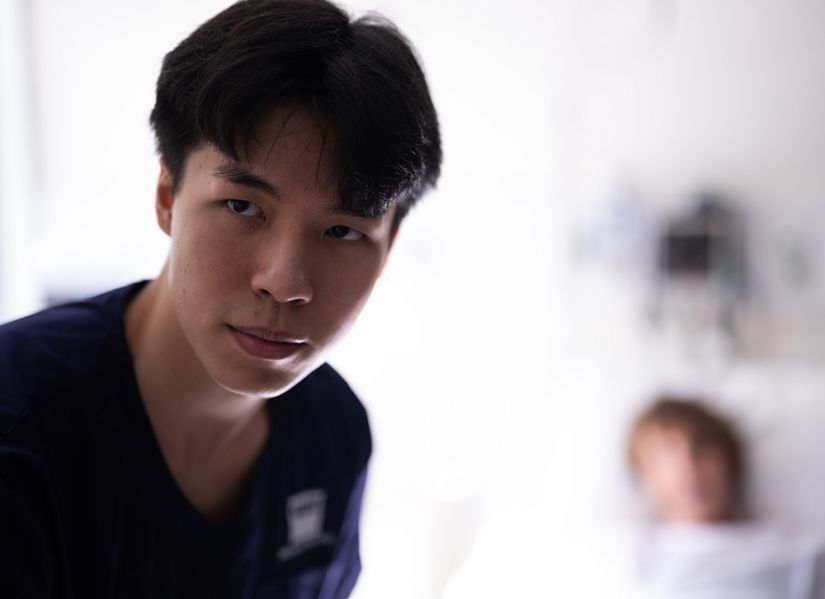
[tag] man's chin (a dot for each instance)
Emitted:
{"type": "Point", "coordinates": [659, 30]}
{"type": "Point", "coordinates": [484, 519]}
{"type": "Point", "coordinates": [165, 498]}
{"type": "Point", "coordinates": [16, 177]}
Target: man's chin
{"type": "Point", "coordinates": [263, 383]}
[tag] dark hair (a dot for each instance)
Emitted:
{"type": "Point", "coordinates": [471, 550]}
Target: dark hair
{"type": "Point", "coordinates": [359, 78]}
{"type": "Point", "coordinates": [699, 423]}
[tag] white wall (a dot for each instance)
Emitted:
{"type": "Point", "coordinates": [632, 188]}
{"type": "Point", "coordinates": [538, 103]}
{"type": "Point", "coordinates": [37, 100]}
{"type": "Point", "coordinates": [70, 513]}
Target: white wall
{"type": "Point", "coordinates": [19, 289]}
{"type": "Point", "coordinates": [97, 63]}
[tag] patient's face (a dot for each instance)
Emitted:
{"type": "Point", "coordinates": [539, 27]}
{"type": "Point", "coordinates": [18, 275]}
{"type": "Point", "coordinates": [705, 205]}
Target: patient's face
{"type": "Point", "coordinates": [684, 479]}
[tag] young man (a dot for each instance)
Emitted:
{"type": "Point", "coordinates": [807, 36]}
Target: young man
{"type": "Point", "coordinates": [182, 437]}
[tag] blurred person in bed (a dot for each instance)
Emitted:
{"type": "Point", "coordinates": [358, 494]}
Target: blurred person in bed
{"type": "Point", "coordinates": [690, 465]}
{"type": "Point", "coordinates": [689, 462]}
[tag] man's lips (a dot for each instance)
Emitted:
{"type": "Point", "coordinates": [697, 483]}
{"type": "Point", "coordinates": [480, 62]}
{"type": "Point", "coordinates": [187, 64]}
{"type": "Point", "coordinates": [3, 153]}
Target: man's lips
{"type": "Point", "coordinates": [266, 343]}
{"type": "Point", "coordinates": [269, 334]}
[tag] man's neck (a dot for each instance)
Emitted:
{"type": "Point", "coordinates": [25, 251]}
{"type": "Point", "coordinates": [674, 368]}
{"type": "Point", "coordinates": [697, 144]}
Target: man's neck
{"type": "Point", "coordinates": [209, 436]}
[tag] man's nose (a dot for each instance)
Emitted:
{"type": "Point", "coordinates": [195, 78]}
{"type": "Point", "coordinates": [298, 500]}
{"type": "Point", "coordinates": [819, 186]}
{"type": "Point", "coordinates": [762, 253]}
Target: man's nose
{"type": "Point", "coordinates": [282, 269]}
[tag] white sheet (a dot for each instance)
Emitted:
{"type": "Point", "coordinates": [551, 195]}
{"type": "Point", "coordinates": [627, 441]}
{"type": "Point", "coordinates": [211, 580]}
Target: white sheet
{"type": "Point", "coordinates": [735, 561]}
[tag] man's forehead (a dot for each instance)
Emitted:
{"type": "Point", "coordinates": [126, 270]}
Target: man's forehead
{"type": "Point", "coordinates": [289, 136]}
{"type": "Point", "coordinates": [289, 129]}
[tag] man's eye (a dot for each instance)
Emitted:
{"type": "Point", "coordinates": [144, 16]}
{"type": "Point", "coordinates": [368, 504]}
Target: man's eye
{"type": "Point", "coordinates": [345, 233]}
{"type": "Point", "coordinates": [243, 207]}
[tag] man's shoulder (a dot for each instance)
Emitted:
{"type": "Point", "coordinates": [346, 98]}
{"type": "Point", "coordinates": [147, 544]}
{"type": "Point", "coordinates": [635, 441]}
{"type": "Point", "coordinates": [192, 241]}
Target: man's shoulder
{"type": "Point", "coordinates": [84, 318]}
{"type": "Point", "coordinates": [328, 404]}
{"type": "Point", "coordinates": [58, 347]}
{"type": "Point", "coordinates": [326, 390]}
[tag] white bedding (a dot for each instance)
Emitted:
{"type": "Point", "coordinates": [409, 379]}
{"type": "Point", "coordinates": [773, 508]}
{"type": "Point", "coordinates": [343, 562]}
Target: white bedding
{"type": "Point", "coordinates": [734, 561]}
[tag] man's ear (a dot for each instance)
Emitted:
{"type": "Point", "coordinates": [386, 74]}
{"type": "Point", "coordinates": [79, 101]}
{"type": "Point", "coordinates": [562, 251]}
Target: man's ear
{"type": "Point", "coordinates": [393, 234]}
{"type": "Point", "coordinates": [164, 197]}
{"type": "Point", "coordinates": [396, 224]}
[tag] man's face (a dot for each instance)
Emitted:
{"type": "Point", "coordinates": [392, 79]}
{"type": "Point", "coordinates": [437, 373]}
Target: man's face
{"type": "Point", "coordinates": [684, 479]}
{"type": "Point", "coordinates": [265, 271]}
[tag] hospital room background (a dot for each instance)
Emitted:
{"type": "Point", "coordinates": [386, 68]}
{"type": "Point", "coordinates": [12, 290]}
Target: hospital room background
{"type": "Point", "coordinates": [632, 200]}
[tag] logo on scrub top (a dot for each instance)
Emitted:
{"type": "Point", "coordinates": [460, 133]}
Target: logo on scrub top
{"type": "Point", "coordinates": [305, 513]}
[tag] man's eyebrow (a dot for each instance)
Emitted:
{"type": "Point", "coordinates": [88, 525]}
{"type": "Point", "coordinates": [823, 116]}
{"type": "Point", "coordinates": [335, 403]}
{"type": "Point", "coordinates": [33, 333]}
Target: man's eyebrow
{"type": "Point", "coordinates": [339, 210]}
{"type": "Point", "coordinates": [237, 174]}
